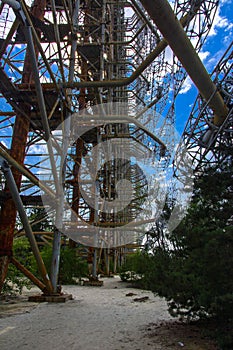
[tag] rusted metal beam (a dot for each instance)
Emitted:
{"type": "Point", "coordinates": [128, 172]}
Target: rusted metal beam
{"type": "Point", "coordinates": [19, 206]}
{"type": "Point", "coordinates": [17, 152]}
{"type": "Point", "coordinates": [162, 14]}
{"type": "Point", "coordinates": [106, 83]}
{"type": "Point", "coordinates": [27, 173]}
{"type": "Point", "coordinates": [9, 36]}
{"type": "Point", "coordinates": [38, 44]}
{"type": "Point", "coordinates": [161, 46]}
{"type": "Point", "coordinates": [122, 119]}
{"type": "Point", "coordinates": [7, 114]}
{"type": "Point", "coordinates": [28, 274]}
{"type": "Point", "coordinates": [8, 210]}
{"type": "Point", "coordinates": [41, 101]}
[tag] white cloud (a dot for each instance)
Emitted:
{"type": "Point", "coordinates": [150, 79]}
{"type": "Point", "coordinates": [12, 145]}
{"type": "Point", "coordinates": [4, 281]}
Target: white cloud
{"type": "Point", "coordinates": [168, 57]}
{"type": "Point", "coordinates": [203, 55]}
{"type": "Point", "coordinates": [38, 149]}
{"type": "Point", "coordinates": [219, 22]}
{"type": "Point", "coordinates": [228, 34]}
{"type": "Point", "coordinates": [186, 86]}
{"type": "Point", "coordinates": [214, 59]}
{"type": "Point", "coordinates": [4, 143]}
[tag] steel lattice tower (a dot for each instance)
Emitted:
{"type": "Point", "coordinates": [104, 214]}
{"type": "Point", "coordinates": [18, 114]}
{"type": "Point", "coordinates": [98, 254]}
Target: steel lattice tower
{"type": "Point", "coordinates": [60, 57]}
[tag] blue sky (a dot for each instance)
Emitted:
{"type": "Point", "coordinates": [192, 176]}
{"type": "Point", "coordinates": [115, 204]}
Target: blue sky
{"type": "Point", "coordinates": [216, 44]}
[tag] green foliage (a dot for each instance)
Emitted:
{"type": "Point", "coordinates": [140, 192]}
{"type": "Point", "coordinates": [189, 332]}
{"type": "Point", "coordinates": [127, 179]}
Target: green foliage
{"type": "Point", "coordinates": [71, 265]}
{"type": "Point", "coordinates": [15, 280]}
{"type": "Point", "coordinates": [22, 251]}
{"type": "Point", "coordinates": [192, 266]}
{"type": "Point", "coordinates": [39, 220]}
{"type": "Point", "coordinates": [136, 265]}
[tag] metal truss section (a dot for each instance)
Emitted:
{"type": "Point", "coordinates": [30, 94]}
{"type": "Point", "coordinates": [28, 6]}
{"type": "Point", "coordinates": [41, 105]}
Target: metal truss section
{"type": "Point", "coordinates": [206, 142]}
{"type": "Point", "coordinates": [59, 58]}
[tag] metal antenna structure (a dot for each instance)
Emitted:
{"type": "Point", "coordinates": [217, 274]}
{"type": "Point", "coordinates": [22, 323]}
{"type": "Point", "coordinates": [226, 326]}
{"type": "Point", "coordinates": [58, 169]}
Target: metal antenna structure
{"type": "Point", "coordinates": [86, 87]}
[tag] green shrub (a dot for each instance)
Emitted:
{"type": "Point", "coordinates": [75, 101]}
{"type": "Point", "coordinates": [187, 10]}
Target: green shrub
{"type": "Point", "coordinates": [194, 270]}
{"type": "Point", "coordinates": [135, 267]}
{"type": "Point", "coordinates": [71, 265]}
{"type": "Point", "coordinates": [15, 280]}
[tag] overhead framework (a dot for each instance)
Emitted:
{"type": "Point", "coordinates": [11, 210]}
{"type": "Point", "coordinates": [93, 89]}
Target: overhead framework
{"type": "Point", "coordinates": [101, 74]}
{"type": "Point", "coordinates": [208, 142]}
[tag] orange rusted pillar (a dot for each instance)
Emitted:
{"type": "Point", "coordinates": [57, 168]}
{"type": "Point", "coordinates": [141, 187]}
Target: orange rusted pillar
{"type": "Point", "coordinates": [78, 151]}
{"type": "Point", "coordinates": [76, 191]}
{"type": "Point", "coordinates": [17, 151]}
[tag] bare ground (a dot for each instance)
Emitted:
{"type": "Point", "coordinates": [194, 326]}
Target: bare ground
{"type": "Point", "coordinates": [112, 317]}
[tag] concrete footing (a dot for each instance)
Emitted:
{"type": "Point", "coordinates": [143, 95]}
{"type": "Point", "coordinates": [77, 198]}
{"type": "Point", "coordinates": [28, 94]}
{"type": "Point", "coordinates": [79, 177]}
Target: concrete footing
{"type": "Point", "coordinates": [59, 298]}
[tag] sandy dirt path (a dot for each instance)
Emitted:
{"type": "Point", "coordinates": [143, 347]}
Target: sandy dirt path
{"type": "Point", "coordinates": [98, 318]}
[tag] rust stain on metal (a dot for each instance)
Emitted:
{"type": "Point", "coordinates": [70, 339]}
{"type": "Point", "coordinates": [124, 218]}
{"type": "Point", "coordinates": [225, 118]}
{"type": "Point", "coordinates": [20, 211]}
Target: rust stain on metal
{"type": "Point", "coordinates": [18, 147]}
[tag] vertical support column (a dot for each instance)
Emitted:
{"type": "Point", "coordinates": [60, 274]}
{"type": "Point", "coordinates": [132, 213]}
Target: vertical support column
{"type": "Point", "coordinates": [107, 261]}
{"type": "Point", "coordinates": [18, 146]}
{"type": "Point", "coordinates": [55, 258]}
{"type": "Point", "coordinates": [79, 143]}
{"type": "Point", "coordinates": [19, 205]}
{"type": "Point", "coordinates": [94, 211]}
{"type": "Point", "coordinates": [79, 148]}
{"type": "Point", "coordinates": [115, 261]}
{"type": "Point", "coordinates": [94, 266]}
{"type": "Point", "coordinates": [76, 191]}
{"type": "Point", "coordinates": [102, 48]}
